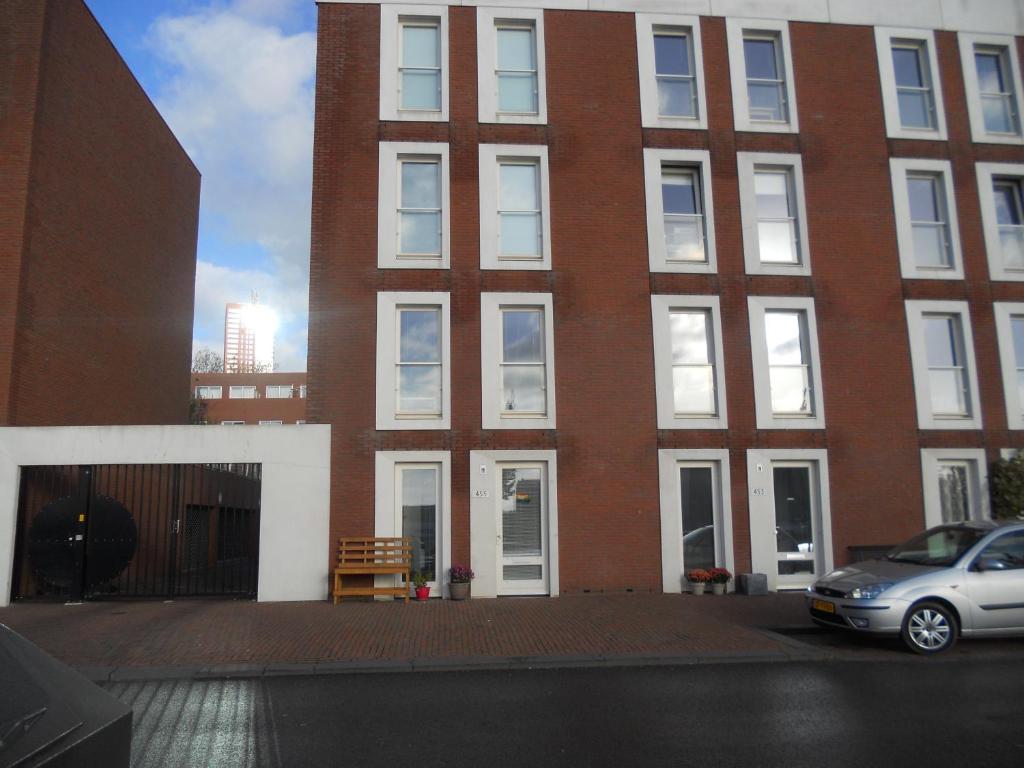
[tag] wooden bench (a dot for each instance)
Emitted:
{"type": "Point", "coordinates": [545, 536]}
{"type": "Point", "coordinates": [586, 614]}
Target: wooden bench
{"type": "Point", "coordinates": [372, 556]}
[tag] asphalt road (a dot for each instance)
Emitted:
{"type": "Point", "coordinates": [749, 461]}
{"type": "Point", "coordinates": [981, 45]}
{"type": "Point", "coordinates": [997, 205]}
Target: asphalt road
{"type": "Point", "coordinates": [836, 713]}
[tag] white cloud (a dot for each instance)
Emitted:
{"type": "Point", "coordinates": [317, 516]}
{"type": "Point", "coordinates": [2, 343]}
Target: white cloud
{"type": "Point", "coordinates": [240, 99]}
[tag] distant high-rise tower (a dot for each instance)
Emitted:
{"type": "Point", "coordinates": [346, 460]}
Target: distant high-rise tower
{"type": "Point", "coordinates": [249, 337]}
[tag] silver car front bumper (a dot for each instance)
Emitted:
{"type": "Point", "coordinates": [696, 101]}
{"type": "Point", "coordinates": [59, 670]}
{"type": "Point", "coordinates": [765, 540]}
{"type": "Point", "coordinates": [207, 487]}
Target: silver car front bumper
{"type": "Point", "coordinates": [882, 616]}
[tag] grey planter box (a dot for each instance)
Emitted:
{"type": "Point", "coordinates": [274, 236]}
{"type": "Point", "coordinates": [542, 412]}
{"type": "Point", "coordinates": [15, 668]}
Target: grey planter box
{"type": "Point", "coordinates": [752, 584]}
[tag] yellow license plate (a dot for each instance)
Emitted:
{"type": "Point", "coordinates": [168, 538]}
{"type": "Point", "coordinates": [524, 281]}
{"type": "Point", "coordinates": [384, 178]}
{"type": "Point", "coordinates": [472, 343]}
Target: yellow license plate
{"type": "Point", "coordinates": [823, 605]}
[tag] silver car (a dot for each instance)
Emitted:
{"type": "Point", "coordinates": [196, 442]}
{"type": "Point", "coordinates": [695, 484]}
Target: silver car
{"type": "Point", "coordinates": [963, 579]}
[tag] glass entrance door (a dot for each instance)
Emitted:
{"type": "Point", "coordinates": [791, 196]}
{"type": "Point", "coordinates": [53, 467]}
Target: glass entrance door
{"type": "Point", "coordinates": [697, 484]}
{"type": "Point", "coordinates": [522, 537]}
{"type": "Point", "coordinates": [418, 503]}
{"type": "Point", "coordinates": [796, 526]}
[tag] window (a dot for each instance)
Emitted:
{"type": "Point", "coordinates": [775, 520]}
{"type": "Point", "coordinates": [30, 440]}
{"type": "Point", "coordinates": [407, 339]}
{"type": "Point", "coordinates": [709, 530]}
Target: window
{"type": "Point", "coordinates": [774, 214]}
{"type": "Point", "coordinates": [1008, 550]}
{"type": "Point", "coordinates": [232, 423]}
{"type": "Point", "coordinates": [1002, 218]}
{"type": "Point", "coordinates": [515, 230]}
{"type": "Point", "coordinates": [671, 71]}
{"type": "Point", "coordinates": [762, 76]}
{"type": "Point", "coordinates": [413, 498]}
{"type": "Point", "coordinates": [680, 221]}
{"type": "Point", "coordinates": [413, 354]}
{"type": "Point", "coordinates": [696, 513]}
{"type": "Point", "coordinates": [271, 421]}
{"type": "Point", "coordinates": [955, 485]}
{"type": "Point", "coordinates": [942, 355]}
{"type": "Point", "coordinates": [993, 85]}
{"type": "Point", "coordinates": [926, 224]}
{"type": "Point", "coordinates": [787, 380]}
{"type": "Point", "coordinates": [516, 354]}
{"type": "Point", "coordinates": [690, 382]}
{"type": "Point", "coordinates": [300, 421]}
{"type": "Point", "coordinates": [209, 392]}
{"type": "Point", "coordinates": [241, 393]}
{"type": "Point", "coordinates": [302, 390]}
{"type": "Point", "coordinates": [279, 391]}
{"type": "Point", "coordinates": [413, 62]}
{"type": "Point", "coordinates": [1010, 335]}
{"type": "Point", "coordinates": [911, 91]}
{"type": "Point", "coordinates": [413, 206]}
{"type": "Point", "coordinates": [510, 65]}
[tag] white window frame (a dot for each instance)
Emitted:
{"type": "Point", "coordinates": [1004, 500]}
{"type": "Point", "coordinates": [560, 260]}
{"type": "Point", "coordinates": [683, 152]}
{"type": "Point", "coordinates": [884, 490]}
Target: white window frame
{"type": "Point", "coordinates": [490, 154]}
{"type": "Point", "coordinates": [761, 506]}
{"type": "Point", "coordinates": [735, 29]}
{"type": "Point", "coordinates": [240, 388]}
{"type": "Point", "coordinates": [673, 566]}
{"type": "Point", "coordinates": [264, 422]}
{"type": "Point", "coordinates": [700, 160]}
{"type": "Point", "coordinates": [1004, 314]}
{"type": "Point", "coordinates": [986, 172]}
{"type": "Point", "coordinates": [968, 41]}
{"type": "Point", "coordinates": [277, 388]}
{"type": "Point", "coordinates": [978, 492]}
{"type": "Point", "coordinates": [916, 310]}
{"type": "Point", "coordinates": [487, 46]}
{"type": "Point", "coordinates": [662, 307]}
{"type": "Point", "coordinates": [491, 305]}
{"type": "Point", "coordinates": [887, 73]}
{"type": "Point", "coordinates": [386, 465]}
{"type": "Point", "coordinates": [747, 163]}
{"type": "Point", "coordinates": [388, 190]}
{"type": "Point", "coordinates": [302, 390]}
{"type": "Point", "coordinates": [390, 50]}
{"type": "Point", "coordinates": [387, 332]}
{"type": "Point", "coordinates": [203, 392]}
{"type": "Point", "coordinates": [900, 168]}
{"type": "Point", "coordinates": [646, 27]}
{"type": "Point", "coordinates": [232, 423]}
{"type": "Point", "coordinates": [757, 306]}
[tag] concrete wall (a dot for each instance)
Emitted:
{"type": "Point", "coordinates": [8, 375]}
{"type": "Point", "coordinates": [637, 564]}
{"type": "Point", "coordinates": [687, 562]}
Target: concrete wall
{"type": "Point", "coordinates": [294, 543]}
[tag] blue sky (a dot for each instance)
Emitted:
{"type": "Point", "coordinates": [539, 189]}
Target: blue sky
{"type": "Point", "coordinates": [234, 80]}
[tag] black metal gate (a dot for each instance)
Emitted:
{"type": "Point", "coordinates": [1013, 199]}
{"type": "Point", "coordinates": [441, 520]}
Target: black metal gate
{"type": "Point", "coordinates": [138, 530]}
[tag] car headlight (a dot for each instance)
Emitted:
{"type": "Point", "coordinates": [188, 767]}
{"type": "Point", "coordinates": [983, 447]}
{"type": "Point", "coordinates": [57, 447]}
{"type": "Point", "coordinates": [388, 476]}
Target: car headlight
{"type": "Point", "coordinates": [870, 592]}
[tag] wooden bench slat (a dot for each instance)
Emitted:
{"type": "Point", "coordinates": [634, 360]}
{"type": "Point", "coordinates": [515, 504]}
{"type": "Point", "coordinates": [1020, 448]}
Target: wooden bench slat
{"type": "Point", "coordinates": [370, 556]}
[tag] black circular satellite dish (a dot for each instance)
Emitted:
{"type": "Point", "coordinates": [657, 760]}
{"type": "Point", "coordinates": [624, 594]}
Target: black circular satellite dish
{"type": "Point", "coordinates": [113, 539]}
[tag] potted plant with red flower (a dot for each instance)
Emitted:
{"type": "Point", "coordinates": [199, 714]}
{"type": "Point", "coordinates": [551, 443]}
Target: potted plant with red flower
{"type": "Point", "coordinates": [719, 577]}
{"type": "Point", "coordinates": [419, 581]}
{"type": "Point", "coordinates": [459, 577]}
{"type": "Point", "coordinates": [697, 579]}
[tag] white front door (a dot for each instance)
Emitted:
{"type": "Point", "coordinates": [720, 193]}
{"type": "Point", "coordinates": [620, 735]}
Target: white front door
{"type": "Point", "coordinates": [417, 514]}
{"type": "Point", "coordinates": [522, 527]}
{"type": "Point", "coordinates": [796, 523]}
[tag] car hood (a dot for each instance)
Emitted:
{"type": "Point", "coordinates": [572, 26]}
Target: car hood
{"type": "Point", "coordinates": [873, 572]}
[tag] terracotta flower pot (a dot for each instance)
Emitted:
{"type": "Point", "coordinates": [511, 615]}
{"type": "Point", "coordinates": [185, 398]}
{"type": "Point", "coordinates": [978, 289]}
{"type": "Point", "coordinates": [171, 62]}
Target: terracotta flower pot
{"type": "Point", "coordinates": [718, 588]}
{"type": "Point", "coordinates": [458, 591]}
{"type": "Point", "coordinates": [422, 593]}
{"type": "Point", "coordinates": [697, 587]}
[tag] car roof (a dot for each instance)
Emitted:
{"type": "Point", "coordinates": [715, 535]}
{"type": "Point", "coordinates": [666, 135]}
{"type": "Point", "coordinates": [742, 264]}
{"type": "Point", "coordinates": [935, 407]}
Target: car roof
{"type": "Point", "coordinates": [986, 525]}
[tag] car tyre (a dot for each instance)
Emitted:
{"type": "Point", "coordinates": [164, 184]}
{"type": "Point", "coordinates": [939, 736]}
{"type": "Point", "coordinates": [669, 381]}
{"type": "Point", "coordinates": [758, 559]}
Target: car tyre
{"type": "Point", "coordinates": [929, 628]}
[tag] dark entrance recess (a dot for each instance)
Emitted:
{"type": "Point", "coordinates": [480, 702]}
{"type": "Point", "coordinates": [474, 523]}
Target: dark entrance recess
{"type": "Point", "coordinates": [138, 530]}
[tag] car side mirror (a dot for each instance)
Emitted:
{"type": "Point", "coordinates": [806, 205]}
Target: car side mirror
{"type": "Point", "coordinates": [990, 563]}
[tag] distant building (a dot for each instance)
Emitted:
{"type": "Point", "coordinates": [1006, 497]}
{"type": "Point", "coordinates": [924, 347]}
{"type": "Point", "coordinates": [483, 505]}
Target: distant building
{"type": "Point", "coordinates": [99, 208]}
{"type": "Point", "coordinates": [248, 337]}
{"type": "Point", "coordinates": [251, 398]}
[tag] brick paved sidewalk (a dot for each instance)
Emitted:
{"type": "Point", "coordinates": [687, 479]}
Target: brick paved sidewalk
{"type": "Point", "coordinates": [192, 637]}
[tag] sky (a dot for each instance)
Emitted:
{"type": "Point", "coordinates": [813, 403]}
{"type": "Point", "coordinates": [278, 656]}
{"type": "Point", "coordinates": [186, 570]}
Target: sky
{"type": "Point", "coordinates": [234, 79]}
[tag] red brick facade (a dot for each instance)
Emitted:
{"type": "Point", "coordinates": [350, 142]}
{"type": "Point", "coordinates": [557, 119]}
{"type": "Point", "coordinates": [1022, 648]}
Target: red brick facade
{"type": "Point", "coordinates": [607, 439]}
{"type": "Point", "coordinates": [98, 226]}
{"type": "Point", "coordinates": [288, 410]}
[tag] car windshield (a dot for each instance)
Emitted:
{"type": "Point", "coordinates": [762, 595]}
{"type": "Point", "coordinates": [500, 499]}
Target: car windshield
{"type": "Point", "coordinates": [938, 546]}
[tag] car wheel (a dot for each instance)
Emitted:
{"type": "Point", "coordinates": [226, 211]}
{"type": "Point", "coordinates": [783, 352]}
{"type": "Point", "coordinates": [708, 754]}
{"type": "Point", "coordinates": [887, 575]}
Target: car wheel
{"type": "Point", "coordinates": [929, 628]}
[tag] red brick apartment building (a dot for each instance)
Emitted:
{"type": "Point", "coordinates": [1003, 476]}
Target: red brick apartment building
{"type": "Point", "coordinates": [98, 225]}
{"type": "Point", "coordinates": [765, 259]}
{"type": "Point", "coordinates": [251, 398]}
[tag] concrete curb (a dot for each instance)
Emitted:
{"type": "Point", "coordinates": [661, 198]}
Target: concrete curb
{"type": "Point", "coordinates": [439, 664]}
